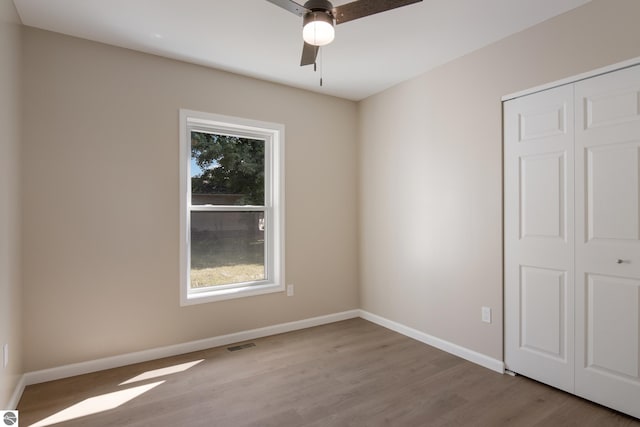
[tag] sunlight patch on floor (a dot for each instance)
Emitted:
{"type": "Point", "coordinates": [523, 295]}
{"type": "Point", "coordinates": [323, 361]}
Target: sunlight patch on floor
{"type": "Point", "coordinates": [97, 404]}
{"type": "Point", "coordinates": [162, 372]}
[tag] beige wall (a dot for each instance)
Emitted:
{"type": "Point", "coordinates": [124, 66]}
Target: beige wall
{"type": "Point", "coordinates": [101, 200]}
{"type": "Point", "coordinates": [10, 289]}
{"type": "Point", "coordinates": [431, 172]}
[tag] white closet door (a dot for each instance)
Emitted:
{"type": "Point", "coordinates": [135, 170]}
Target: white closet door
{"type": "Point", "coordinates": [608, 240]}
{"type": "Point", "coordinates": [538, 163]}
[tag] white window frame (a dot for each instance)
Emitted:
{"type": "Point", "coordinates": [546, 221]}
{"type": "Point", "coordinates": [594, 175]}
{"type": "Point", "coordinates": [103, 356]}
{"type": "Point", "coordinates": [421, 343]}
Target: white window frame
{"type": "Point", "coordinates": [273, 135]}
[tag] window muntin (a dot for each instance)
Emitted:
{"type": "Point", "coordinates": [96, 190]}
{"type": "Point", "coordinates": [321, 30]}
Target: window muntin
{"type": "Point", "coordinates": [232, 225]}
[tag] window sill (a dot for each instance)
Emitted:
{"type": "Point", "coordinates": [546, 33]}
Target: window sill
{"type": "Point", "coordinates": [230, 293]}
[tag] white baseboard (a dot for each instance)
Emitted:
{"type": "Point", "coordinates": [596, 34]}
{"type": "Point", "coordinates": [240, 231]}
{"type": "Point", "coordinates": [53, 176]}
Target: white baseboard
{"type": "Point", "coordinates": [455, 349]}
{"type": "Point", "coordinates": [66, 371]}
{"type": "Point", "coordinates": [17, 394]}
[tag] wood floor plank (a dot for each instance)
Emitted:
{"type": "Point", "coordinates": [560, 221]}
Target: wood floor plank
{"type": "Point", "coordinates": [350, 373]}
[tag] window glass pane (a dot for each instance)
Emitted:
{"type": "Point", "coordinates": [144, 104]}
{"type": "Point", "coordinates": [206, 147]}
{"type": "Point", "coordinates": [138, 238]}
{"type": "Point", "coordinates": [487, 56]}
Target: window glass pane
{"type": "Point", "coordinates": [226, 248]}
{"type": "Point", "coordinates": [226, 170]}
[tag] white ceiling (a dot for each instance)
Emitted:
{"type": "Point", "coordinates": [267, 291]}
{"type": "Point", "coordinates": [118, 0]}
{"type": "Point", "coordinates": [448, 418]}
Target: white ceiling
{"type": "Point", "coordinates": [257, 39]}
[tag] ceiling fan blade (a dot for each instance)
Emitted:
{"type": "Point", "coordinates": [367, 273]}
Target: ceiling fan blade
{"type": "Point", "coordinates": [309, 53]}
{"type": "Point", "coordinates": [291, 6]}
{"type": "Point", "coordinates": [361, 8]}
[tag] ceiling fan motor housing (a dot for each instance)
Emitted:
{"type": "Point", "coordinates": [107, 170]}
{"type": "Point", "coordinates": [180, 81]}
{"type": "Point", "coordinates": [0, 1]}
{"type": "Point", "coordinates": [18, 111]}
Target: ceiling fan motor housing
{"type": "Point", "coordinates": [320, 6]}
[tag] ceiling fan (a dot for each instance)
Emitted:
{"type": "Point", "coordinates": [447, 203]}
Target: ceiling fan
{"type": "Point", "coordinates": [319, 16]}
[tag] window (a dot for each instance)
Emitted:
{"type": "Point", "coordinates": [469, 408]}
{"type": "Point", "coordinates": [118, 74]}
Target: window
{"type": "Point", "coordinates": [232, 207]}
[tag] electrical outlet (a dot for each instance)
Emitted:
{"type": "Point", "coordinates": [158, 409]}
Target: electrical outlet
{"type": "Point", "coordinates": [290, 290]}
{"type": "Point", "coordinates": [486, 314]}
{"type": "Point", "coordinates": [5, 355]}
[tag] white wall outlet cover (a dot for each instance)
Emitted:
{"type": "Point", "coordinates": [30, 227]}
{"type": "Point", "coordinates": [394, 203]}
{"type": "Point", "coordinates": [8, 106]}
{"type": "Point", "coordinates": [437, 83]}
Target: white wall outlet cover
{"type": "Point", "coordinates": [486, 314]}
{"type": "Point", "coordinates": [289, 290]}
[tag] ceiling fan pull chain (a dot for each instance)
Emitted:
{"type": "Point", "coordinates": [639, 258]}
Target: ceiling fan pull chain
{"type": "Point", "coordinates": [321, 63]}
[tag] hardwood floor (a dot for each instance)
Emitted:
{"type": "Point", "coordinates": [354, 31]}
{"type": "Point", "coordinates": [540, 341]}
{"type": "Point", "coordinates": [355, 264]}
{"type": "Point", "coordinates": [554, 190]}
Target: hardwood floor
{"type": "Point", "coordinates": [350, 373]}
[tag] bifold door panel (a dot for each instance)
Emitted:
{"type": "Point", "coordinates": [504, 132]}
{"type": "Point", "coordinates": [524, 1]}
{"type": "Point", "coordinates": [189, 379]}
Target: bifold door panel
{"type": "Point", "coordinates": [607, 152]}
{"type": "Point", "coordinates": [539, 236]}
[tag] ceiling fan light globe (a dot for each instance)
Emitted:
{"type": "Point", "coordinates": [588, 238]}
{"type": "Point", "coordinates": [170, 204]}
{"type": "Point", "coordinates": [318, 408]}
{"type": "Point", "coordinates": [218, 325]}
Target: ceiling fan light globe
{"type": "Point", "coordinates": [318, 29]}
